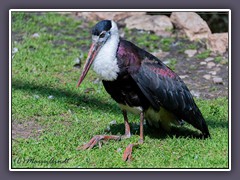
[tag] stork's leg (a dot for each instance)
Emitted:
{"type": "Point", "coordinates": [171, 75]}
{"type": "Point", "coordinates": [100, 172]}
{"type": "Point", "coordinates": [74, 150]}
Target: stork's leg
{"type": "Point", "coordinates": [127, 126]}
{"type": "Point", "coordinates": [141, 127]}
{"type": "Point", "coordinates": [127, 155]}
{"type": "Point", "coordinates": [96, 139]}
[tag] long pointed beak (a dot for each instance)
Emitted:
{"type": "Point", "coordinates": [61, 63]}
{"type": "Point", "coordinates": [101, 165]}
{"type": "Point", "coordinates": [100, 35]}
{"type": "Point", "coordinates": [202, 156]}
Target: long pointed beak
{"type": "Point", "coordinates": [95, 47]}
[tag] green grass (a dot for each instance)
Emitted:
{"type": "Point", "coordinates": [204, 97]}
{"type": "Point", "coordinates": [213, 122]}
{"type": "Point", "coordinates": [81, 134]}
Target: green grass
{"type": "Point", "coordinates": [43, 67]}
{"type": "Point", "coordinates": [221, 60]}
{"type": "Point", "coordinates": [145, 40]}
{"type": "Point", "coordinates": [203, 55]}
{"type": "Point", "coordinates": [185, 44]}
{"type": "Point", "coordinates": [166, 43]}
{"type": "Point", "coordinates": [172, 63]}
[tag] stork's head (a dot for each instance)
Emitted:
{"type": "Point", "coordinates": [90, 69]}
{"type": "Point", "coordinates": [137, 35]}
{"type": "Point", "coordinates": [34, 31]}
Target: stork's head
{"type": "Point", "coordinates": [101, 34]}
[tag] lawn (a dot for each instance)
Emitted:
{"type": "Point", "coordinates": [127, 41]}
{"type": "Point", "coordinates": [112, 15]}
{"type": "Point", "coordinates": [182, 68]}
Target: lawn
{"type": "Point", "coordinates": [51, 117]}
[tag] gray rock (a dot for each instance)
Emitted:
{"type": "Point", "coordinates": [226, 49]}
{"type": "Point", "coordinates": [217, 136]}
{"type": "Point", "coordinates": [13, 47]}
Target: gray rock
{"type": "Point", "coordinates": [35, 35]}
{"type": "Point", "coordinates": [14, 50]}
{"type": "Point", "coordinates": [160, 54]}
{"type": "Point", "coordinates": [195, 93]}
{"type": "Point", "coordinates": [190, 52]}
{"type": "Point", "coordinates": [203, 63]}
{"type": "Point", "coordinates": [183, 76]}
{"type": "Point", "coordinates": [149, 23]}
{"type": "Point", "coordinates": [218, 42]}
{"type": "Point", "coordinates": [51, 97]}
{"type": "Point", "coordinates": [209, 59]}
{"type": "Point", "coordinates": [213, 72]}
{"type": "Point", "coordinates": [117, 16]}
{"type": "Point", "coordinates": [210, 65]}
{"type": "Point", "coordinates": [218, 80]}
{"type": "Point", "coordinates": [191, 24]}
{"type": "Point", "coordinates": [77, 60]}
{"type": "Point", "coordinates": [207, 76]}
{"type": "Point", "coordinates": [217, 69]}
{"type": "Point", "coordinates": [113, 122]}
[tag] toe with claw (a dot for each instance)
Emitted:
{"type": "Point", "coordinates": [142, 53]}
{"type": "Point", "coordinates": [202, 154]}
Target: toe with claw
{"type": "Point", "coordinates": [96, 140]}
{"type": "Point", "coordinates": [127, 155]}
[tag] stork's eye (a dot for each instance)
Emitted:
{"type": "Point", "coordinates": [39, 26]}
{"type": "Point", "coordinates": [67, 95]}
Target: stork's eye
{"type": "Point", "coordinates": [102, 35]}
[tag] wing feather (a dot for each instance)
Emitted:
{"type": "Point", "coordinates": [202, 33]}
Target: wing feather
{"type": "Point", "coordinates": [163, 87]}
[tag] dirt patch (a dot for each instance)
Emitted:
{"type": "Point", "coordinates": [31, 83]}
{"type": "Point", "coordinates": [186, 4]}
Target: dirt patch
{"type": "Point", "coordinates": [26, 130]}
{"type": "Point", "coordinates": [198, 84]}
{"type": "Point", "coordinates": [199, 75]}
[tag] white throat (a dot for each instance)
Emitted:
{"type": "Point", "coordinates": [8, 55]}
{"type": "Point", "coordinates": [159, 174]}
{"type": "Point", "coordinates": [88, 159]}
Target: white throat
{"type": "Point", "coordinates": [105, 63]}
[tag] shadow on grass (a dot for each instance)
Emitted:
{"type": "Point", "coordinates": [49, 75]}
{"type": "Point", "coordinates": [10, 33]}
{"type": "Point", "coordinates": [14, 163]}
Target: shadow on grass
{"type": "Point", "coordinates": [160, 133]}
{"type": "Point", "coordinates": [93, 103]}
{"type": "Point", "coordinates": [71, 97]}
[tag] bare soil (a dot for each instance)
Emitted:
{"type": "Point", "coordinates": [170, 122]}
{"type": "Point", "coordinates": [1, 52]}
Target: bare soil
{"type": "Point", "coordinates": [25, 130]}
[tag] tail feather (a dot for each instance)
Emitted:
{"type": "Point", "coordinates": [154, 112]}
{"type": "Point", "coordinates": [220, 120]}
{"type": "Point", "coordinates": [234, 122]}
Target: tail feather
{"type": "Point", "coordinates": [197, 120]}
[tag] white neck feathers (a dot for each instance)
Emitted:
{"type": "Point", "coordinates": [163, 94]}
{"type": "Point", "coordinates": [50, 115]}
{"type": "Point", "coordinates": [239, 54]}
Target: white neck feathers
{"type": "Point", "coordinates": [105, 63]}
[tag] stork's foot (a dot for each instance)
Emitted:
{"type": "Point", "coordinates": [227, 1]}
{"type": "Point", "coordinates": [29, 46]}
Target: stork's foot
{"type": "Point", "coordinates": [127, 155]}
{"type": "Point", "coordinates": [97, 140]}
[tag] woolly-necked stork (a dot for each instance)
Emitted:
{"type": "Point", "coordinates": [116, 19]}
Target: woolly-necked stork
{"type": "Point", "coordinates": [140, 83]}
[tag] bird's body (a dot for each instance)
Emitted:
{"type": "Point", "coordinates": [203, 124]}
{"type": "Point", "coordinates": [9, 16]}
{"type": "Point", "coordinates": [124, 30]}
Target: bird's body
{"type": "Point", "coordinates": [144, 83]}
{"type": "Point", "coordinates": [140, 83]}
{"type": "Point", "coordinates": [127, 93]}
